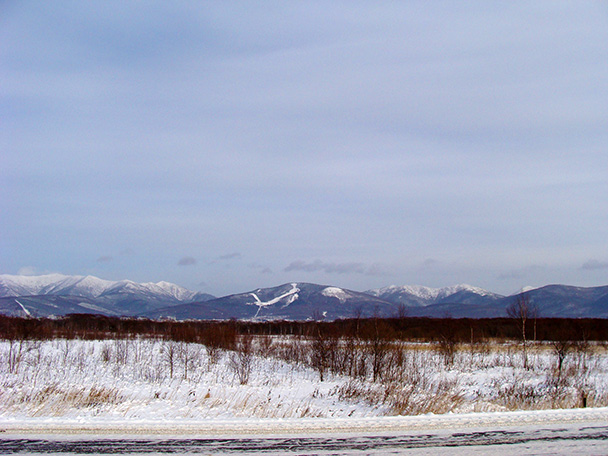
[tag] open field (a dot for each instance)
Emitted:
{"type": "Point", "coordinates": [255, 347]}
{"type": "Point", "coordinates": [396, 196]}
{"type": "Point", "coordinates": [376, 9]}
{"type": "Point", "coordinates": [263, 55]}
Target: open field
{"type": "Point", "coordinates": [288, 377]}
{"type": "Point", "coordinates": [325, 391]}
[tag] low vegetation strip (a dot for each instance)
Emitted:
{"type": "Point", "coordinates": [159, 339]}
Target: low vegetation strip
{"type": "Point", "coordinates": [95, 327]}
{"type": "Point", "coordinates": [315, 376]}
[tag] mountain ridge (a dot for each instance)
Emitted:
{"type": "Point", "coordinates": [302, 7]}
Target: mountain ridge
{"type": "Point", "coordinates": [121, 297]}
{"type": "Point", "coordinates": [58, 294]}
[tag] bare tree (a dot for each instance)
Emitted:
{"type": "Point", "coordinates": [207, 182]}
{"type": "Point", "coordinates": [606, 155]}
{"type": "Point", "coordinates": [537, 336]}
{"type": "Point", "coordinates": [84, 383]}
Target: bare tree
{"type": "Point", "coordinates": [402, 311]}
{"type": "Point", "coordinates": [357, 313]}
{"type": "Point", "coordinates": [448, 347]}
{"type": "Point", "coordinates": [520, 310]}
{"type": "Point", "coordinates": [187, 354]}
{"type": "Point", "coordinates": [562, 348]}
{"type": "Point", "coordinates": [534, 314]}
{"type": "Point", "coordinates": [320, 352]}
{"type": "Point", "coordinates": [241, 359]}
{"type": "Point", "coordinates": [378, 335]}
{"type": "Point", "coordinates": [169, 351]}
{"type": "Point", "coordinates": [265, 345]}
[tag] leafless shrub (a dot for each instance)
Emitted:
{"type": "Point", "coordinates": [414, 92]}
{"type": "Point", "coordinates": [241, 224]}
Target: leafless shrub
{"type": "Point", "coordinates": [519, 395]}
{"type": "Point", "coordinates": [439, 396]}
{"type": "Point", "coordinates": [15, 352]}
{"type": "Point", "coordinates": [66, 346]}
{"type": "Point", "coordinates": [187, 354]}
{"type": "Point", "coordinates": [378, 335]}
{"type": "Point", "coordinates": [320, 352]}
{"type": "Point", "coordinates": [294, 350]}
{"type": "Point", "coordinates": [350, 356]}
{"type": "Point", "coordinates": [265, 345]}
{"type": "Point", "coordinates": [581, 354]}
{"type": "Point", "coordinates": [396, 364]}
{"type": "Point", "coordinates": [561, 349]}
{"type": "Point", "coordinates": [216, 339]}
{"type": "Point", "coordinates": [520, 311]}
{"type": "Point", "coordinates": [137, 348]}
{"type": "Point", "coordinates": [213, 354]}
{"type": "Point", "coordinates": [447, 348]}
{"type": "Point", "coordinates": [341, 358]}
{"type": "Point", "coordinates": [106, 352]}
{"type": "Point", "coordinates": [241, 359]}
{"type": "Point", "coordinates": [121, 351]}
{"type": "Point", "coordinates": [169, 354]}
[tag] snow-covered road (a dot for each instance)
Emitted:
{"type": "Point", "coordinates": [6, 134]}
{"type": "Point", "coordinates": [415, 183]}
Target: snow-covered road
{"type": "Point", "coordinates": [564, 432]}
{"type": "Point", "coordinates": [91, 425]}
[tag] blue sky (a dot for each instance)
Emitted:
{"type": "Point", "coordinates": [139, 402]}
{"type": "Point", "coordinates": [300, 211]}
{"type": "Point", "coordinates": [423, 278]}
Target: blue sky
{"type": "Point", "coordinates": [226, 146]}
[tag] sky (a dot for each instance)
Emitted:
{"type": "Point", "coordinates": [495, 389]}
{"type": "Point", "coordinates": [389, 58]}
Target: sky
{"type": "Point", "coordinates": [226, 146]}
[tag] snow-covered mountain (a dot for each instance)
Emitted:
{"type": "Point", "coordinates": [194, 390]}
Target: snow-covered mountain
{"type": "Point", "coordinates": [303, 301]}
{"type": "Point", "coordinates": [122, 297]}
{"type": "Point", "coordinates": [85, 286]}
{"type": "Point", "coordinates": [419, 296]}
{"type": "Point", "coordinates": [57, 294]}
{"type": "Point", "coordinates": [291, 301]}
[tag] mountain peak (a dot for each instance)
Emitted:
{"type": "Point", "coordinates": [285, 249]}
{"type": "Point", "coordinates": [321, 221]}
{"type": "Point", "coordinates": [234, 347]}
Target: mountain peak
{"type": "Point", "coordinates": [84, 286]}
{"type": "Point", "coordinates": [59, 294]}
{"type": "Point", "coordinates": [419, 295]}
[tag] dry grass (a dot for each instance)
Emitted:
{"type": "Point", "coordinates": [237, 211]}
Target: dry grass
{"type": "Point", "coordinates": [60, 379]}
{"type": "Point", "coordinates": [52, 400]}
{"type": "Point", "coordinates": [437, 397]}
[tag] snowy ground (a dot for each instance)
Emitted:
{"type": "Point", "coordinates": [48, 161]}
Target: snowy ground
{"type": "Point", "coordinates": [159, 380]}
{"type": "Point", "coordinates": [548, 432]}
{"type": "Point", "coordinates": [118, 379]}
{"type": "Point", "coordinates": [146, 392]}
{"type": "Point", "coordinates": [154, 397]}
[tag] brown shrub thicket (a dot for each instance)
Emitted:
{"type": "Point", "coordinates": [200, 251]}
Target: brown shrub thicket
{"type": "Point", "coordinates": [223, 334]}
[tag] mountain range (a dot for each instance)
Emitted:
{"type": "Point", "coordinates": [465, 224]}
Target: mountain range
{"type": "Point", "coordinates": [57, 294]}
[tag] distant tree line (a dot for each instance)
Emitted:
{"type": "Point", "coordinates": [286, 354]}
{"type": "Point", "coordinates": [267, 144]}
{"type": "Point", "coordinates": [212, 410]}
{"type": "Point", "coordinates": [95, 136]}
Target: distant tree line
{"type": "Point", "coordinates": [225, 334]}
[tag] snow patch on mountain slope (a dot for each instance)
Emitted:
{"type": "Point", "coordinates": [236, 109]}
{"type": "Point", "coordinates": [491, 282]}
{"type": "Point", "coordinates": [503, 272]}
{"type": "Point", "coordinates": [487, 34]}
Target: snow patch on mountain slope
{"type": "Point", "coordinates": [291, 293]}
{"type": "Point", "coordinates": [179, 293]}
{"type": "Point", "coordinates": [335, 292]}
{"type": "Point", "coordinates": [93, 307]}
{"type": "Point", "coordinates": [291, 296]}
{"type": "Point", "coordinates": [428, 293]}
{"type": "Point", "coordinates": [525, 289]}
{"type": "Point", "coordinates": [27, 312]}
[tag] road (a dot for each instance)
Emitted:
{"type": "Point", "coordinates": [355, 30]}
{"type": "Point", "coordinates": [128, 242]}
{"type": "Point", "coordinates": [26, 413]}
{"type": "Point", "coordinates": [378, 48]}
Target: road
{"type": "Point", "coordinates": [567, 432]}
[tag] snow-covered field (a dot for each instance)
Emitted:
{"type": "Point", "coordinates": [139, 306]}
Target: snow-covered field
{"type": "Point", "coordinates": [154, 381]}
{"type": "Point", "coordinates": [146, 396]}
